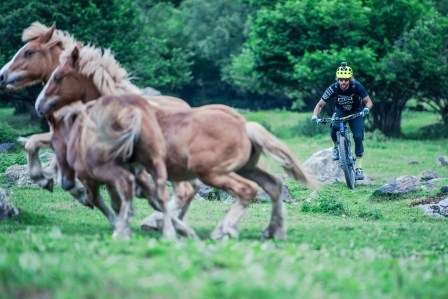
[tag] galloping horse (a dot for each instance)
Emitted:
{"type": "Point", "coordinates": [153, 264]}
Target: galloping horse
{"type": "Point", "coordinates": [105, 152]}
{"type": "Point", "coordinates": [35, 62]}
{"type": "Point", "coordinates": [212, 143]}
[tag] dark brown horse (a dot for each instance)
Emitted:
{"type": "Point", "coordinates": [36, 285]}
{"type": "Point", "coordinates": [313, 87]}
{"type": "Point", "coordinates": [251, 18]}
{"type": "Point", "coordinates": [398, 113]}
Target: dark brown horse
{"type": "Point", "coordinates": [212, 143]}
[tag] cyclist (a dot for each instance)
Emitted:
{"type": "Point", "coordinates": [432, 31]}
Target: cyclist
{"type": "Point", "coordinates": [350, 97]}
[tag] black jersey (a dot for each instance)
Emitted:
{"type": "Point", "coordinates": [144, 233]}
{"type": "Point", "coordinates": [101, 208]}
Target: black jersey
{"type": "Point", "coordinates": [348, 101]}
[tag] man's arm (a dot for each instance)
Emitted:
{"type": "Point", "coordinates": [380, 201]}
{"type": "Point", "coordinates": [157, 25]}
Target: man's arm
{"type": "Point", "coordinates": [368, 102]}
{"type": "Point", "coordinates": [319, 107]}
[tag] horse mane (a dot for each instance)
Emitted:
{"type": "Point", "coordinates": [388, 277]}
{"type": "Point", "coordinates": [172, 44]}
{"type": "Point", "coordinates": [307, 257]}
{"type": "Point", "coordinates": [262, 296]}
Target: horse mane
{"type": "Point", "coordinates": [100, 65]}
{"type": "Point", "coordinates": [37, 29]}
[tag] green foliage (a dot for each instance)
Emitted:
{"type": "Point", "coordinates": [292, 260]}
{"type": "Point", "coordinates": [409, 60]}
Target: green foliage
{"type": "Point", "coordinates": [7, 133]}
{"type": "Point", "coordinates": [307, 128]}
{"type": "Point", "coordinates": [330, 205]}
{"type": "Point", "coordinates": [9, 159]}
{"type": "Point", "coordinates": [373, 215]}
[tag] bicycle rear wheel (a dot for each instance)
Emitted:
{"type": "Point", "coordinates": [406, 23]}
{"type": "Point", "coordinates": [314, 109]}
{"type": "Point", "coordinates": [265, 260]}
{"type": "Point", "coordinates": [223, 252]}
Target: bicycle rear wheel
{"type": "Point", "coordinates": [346, 162]}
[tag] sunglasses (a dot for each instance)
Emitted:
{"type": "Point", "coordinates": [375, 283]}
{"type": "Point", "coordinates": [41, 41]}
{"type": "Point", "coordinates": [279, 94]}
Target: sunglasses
{"type": "Point", "coordinates": [343, 80]}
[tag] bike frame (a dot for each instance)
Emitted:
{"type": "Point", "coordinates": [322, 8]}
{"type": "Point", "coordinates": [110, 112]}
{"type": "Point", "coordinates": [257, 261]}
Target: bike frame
{"type": "Point", "coordinates": [346, 159]}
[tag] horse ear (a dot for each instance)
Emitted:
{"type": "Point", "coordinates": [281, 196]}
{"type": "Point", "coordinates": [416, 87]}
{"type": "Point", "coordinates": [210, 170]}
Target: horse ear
{"type": "Point", "coordinates": [46, 37]}
{"type": "Point", "coordinates": [74, 56]}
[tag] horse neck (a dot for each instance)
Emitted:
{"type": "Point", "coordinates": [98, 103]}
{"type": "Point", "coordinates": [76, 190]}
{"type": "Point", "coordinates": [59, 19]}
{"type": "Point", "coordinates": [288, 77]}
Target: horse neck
{"type": "Point", "coordinates": [91, 92]}
{"type": "Point", "coordinates": [53, 62]}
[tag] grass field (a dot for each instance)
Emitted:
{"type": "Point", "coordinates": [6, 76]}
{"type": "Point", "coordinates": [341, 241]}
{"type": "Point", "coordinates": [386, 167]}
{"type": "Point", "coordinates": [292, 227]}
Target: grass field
{"type": "Point", "coordinates": [341, 243]}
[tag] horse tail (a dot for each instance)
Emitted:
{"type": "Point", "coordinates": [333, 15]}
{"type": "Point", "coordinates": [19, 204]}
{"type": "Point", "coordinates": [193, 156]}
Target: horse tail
{"type": "Point", "coordinates": [116, 128]}
{"type": "Point", "coordinates": [267, 143]}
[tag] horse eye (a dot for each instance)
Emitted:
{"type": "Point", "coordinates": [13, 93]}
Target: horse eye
{"type": "Point", "coordinates": [57, 78]}
{"type": "Point", "coordinates": [28, 53]}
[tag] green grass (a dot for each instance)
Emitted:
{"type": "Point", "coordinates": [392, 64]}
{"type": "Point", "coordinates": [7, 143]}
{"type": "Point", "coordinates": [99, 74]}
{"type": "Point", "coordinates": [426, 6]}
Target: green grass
{"type": "Point", "coordinates": [21, 123]}
{"type": "Point", "coordinates": [341, 243]}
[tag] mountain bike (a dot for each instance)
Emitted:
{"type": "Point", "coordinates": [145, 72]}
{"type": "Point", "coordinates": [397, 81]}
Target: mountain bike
{"type": "Point", "coordinates": [346, 159]}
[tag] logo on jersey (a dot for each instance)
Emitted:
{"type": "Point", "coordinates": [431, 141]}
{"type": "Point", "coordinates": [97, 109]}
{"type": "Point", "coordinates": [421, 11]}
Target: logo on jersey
{"type": "Point", "coordinates": [346, 102]}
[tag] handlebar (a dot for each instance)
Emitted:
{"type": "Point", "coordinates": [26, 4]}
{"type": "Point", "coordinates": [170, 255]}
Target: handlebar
{"type": "Point", "coordinates": [344, 118]}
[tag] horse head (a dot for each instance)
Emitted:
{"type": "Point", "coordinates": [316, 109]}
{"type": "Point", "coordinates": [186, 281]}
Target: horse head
{"type": "Point", "coordinates": [66, 85]}
{"type": "Point", "coordinates": [37, 59]}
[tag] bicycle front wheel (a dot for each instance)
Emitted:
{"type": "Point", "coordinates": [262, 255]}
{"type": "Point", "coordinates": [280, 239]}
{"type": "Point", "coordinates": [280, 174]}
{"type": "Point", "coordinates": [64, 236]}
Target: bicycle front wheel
{"type": "Point", "coordinates": [346, 162]}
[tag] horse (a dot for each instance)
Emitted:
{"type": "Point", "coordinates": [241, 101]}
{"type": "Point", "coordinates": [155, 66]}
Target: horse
{"type": "Point", "coordinates": [35, 62]}
{"type": "Point", "coordinates": [212, 143]}
{"type": "Point", "coordinates": [111, 152]}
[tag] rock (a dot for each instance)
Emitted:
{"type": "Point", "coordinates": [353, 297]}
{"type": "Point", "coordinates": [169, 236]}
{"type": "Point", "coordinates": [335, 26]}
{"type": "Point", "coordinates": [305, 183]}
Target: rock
{"type": "Point", "coordinates": [399, 186]}
{"type": "Point", "coordinates": [436, 210]}
{"type": "Point", "coordinates": [442, 161]}
{"type": "Point", "coordinates": [149, 91]}
{"type": "Point", "coordinates": [429, 174]}
{"type": "Point", "coordinates": [413, 162]}
{"type": "Point", "coordinates": [7, 209]}
{"type": "Point", "coordinates": [7, 148]}
{"type": "Point", "coordinates": [19, 174]}
{"type": "Point", "coordinates": [444, 189]}
{"type": "Point", "coordinates": [322, 167]}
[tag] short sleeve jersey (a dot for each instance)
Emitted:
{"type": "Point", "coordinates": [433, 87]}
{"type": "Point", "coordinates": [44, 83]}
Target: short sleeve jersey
{"type": "Point", "coordinates": [348, 101]}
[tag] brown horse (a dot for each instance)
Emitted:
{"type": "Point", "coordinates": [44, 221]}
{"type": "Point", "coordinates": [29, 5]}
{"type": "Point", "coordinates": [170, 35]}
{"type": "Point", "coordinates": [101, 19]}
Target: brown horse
{"type": "Point", "coordinates": [104, 152]}
{"type": "Point", "coordinates": [212, 143]}
{"type": "Point", "coordinates": [35, 62]}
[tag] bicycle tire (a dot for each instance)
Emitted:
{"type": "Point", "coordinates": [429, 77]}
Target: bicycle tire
{"type": "Point", "coordinates": [346, 164]}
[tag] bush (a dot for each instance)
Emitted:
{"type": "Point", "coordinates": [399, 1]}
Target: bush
{"type": "Point", "coordinates": [326, 205]}
{"type": "Point", "coordinates": [307, 128]}
{"type": "Point", "coordinates": [374, 214]}
{"type": "Point", "coordinates": [9, 159]}
{"type": "Point", "coordinates": [8, 134]}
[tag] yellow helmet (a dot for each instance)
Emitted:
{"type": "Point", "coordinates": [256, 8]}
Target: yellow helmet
{"type": "Point", "coordinates": [344, 71]}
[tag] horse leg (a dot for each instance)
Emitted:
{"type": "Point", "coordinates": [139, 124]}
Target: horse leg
{"type": "Point", "coordinates": [32, 146]}
{"type": "Point", "coordinates": [183, 193]}
{"type": "Point", "coordinates": [273, 186]}
{"type": "Point", "coordinates": [97, 200]}
{"type": "Point", "coordinates": [115, 199]}
{"type": "Point", "coordinates": [124, 183]}
{"type": "Point", "coordinates": [243, 189]}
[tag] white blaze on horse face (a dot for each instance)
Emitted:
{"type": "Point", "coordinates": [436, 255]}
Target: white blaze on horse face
{"type": "Point", "coordinates": [6, 74]}
{"type": "Point", "coordinates": [42, 97]}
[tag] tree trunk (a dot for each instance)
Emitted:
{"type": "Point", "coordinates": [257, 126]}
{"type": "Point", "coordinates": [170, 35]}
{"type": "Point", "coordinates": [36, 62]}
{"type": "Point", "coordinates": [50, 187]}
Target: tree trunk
{"type": "Point", "coordinates": [387, 117]}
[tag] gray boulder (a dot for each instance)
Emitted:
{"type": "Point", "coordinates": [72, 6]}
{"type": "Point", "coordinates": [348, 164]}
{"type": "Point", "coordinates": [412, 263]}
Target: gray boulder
{"type": "Point", "coordinates": [442, 161]}
{"type": "Point", "coordinates": [322, 167]}
{"type": "Point", "coordinates": [7, 209]}
{"type": "Point", "coordinates": [436, 210]}
{"type": "Point", "coordinates": [399, 186]}
{"type": "Point", "coordinates": [7, 147]}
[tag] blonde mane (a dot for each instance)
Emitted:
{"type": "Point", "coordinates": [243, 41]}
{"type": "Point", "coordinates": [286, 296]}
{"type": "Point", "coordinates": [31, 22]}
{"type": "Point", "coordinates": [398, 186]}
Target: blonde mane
{"type": "Point", "coordinates": [100, 65]}
{"type": "Point", "coordinates": [37, 29]}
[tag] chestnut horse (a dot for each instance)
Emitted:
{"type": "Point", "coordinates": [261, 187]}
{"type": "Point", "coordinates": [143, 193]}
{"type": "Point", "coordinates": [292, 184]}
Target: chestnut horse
{"type": "Point", "coordinates": [104, 153]}
{"type": "Point", "coordinates": [212, 143]}
{"type": "Point", "coordinates": [35, 62]}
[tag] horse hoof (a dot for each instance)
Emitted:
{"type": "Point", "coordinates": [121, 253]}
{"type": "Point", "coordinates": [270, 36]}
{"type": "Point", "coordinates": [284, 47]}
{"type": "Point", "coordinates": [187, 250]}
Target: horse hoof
{"type": "Point", "coordinates": [121, 235]}
{"type": "Point", "coordinates": [270, 233]}
{"type": "Point", "coordinates": [224, 234]}
{"type": "Point", "coordinates": [46, 184]}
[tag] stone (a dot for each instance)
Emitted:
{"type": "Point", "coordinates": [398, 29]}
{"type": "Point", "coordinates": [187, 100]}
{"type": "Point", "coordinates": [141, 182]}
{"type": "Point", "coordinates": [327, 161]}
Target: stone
{"type": "Point", "coordinates": [399, 186]}
{"type": "Point", "coordinates": [429, 174]}
{"type": "Point", "coordinates": [442, 161]}
{"type": "Point", "coordinates": [7, 148]}
{"type": "Point", "coordinates": [7, 209]}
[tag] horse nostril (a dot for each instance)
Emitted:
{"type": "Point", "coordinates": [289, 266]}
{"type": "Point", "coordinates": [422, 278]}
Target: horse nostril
{"type": "Point", "coordinates": [2, 78]}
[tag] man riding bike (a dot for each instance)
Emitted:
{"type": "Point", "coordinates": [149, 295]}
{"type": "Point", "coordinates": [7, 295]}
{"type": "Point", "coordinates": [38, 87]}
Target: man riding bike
{"type": "Point", "coordinates": [350, 97]}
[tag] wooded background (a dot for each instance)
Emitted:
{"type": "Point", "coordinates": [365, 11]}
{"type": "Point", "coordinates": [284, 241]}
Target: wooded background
{"type": "Point", "coordinates": [259, 54]}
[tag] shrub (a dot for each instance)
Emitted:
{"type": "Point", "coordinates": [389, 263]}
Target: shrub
{"type": "Point", "coordinates": [326, 205]}
{"type": "Point", "coordinates": [8, 134]}
{"type": "Point", "coordinates": [307, 128]}
{"type": "Point", "coordinates": [374, 214]}
{"type": "Point", "coordinates": [9, 159]}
